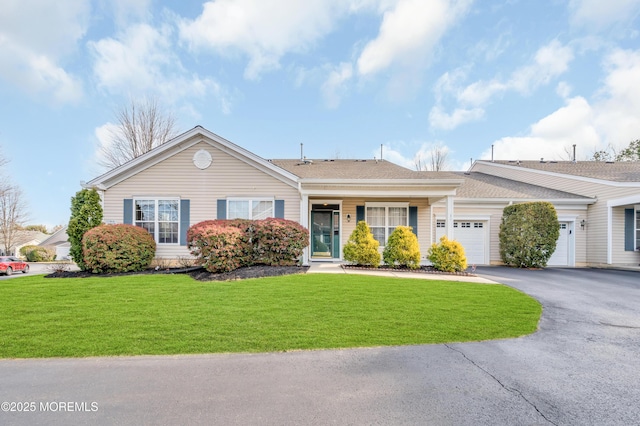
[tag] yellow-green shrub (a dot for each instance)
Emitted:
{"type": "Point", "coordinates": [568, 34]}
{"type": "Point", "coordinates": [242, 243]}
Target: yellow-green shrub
{"type": "Point", "coordinates": [362, 248]}
{"type": "Point", "coordinates": [448, 255]}
{"type": "Point", "coordinates": [402, 248]}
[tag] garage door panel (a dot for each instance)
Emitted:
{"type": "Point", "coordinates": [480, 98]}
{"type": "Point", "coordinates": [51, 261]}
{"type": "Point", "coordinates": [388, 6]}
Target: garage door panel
{"type": "Point", "coordinates": [472, 236]}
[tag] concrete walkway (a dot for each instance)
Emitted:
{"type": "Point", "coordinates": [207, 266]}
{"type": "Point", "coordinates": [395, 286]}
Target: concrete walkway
{"type": "Point", "coordinates": [336, 268]}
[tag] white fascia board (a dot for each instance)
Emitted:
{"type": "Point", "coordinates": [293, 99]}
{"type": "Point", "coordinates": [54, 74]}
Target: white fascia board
{"type": "Point", "coordinates": [384, 182]}
{"type": "Point", "coordinates": [560, 201]}
{"type": "Point", "coordinates": [633, 199]}
{"type": "Point", "coordinates": [562, 175]}
{"type": "Point", "coordinates": [464, 216]}
{"type": "Point", "coordinates": [341, 192]}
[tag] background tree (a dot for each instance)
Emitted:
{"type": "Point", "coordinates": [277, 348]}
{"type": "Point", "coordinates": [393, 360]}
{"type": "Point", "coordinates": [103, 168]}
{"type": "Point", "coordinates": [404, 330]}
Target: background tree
{"type": "Point", "coordinates": [39, 228]}
{"type": "Point", "coordinates": [528, 234]}
{"type": "Point", "coordinates": [631, 152]}
{"type": "Point", "coordinates": [13, 214]}
{"type": "Point", "coordinates": [141, 126]}
{"type": "Point", "coordinates": [434, 160]}
{"type": "Point", "coordinates": [86, 213]}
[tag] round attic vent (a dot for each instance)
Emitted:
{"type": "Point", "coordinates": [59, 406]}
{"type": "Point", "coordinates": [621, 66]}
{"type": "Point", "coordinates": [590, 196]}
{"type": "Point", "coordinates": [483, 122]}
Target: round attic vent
{"type": "Point", "coordinates": [202, 159]}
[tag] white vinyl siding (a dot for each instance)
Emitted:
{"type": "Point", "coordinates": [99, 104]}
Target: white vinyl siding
{"type": "Point", "coordinates": [228, 177]}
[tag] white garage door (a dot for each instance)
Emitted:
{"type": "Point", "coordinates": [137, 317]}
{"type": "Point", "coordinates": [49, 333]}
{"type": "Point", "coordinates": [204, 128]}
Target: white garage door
{"type": "Point", "coordinates": [560, 257]}
{"type": "Point", "coordinates": [472, 236]}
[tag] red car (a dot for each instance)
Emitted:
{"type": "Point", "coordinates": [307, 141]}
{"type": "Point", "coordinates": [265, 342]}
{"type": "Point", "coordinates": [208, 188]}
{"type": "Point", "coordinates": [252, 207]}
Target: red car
{"type": "Point", "coordinates": [10, 264]}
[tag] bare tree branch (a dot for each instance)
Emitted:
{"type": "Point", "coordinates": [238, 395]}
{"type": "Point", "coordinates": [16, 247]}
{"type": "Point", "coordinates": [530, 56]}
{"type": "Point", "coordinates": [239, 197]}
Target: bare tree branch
{"type": "Point", "coordinates": [436, 161]}
{"type": "Point", "coordinates": [142, 126]}
{"type": "Point", "coordinates": [13, 215]}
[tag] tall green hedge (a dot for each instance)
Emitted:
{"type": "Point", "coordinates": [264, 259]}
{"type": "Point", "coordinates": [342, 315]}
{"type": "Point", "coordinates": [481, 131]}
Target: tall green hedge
{"type": "Point", "coordinates": [86, 213]}
{"type": "Point", "coordinates": [528, 234]}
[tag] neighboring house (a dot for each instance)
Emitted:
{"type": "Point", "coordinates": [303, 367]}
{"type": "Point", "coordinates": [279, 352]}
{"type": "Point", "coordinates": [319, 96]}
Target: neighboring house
{"type": "Point", "coordinates": [21, 239]}
{"type": "Point", "coordinates": [611, 227]}
{"type": "Point", "coordinates": [59, 241]}
{"type": "Point", "coordinates": [199, 176]}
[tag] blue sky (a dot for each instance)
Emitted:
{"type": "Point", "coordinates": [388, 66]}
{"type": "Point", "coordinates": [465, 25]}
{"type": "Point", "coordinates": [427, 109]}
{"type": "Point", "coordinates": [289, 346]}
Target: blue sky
{"type": "Point", "coordinates": [342, 77]}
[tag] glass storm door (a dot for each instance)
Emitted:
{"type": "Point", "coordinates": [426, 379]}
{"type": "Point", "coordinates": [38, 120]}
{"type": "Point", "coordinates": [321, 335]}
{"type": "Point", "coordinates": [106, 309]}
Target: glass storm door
{"type": "Point", "coordinates": [322, 234]}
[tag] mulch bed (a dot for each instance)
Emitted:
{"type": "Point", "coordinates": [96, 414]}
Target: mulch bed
{"type": "Point", "coordinates": [197, 273]}
{"type": "Point", "coordinates": [256, 271]}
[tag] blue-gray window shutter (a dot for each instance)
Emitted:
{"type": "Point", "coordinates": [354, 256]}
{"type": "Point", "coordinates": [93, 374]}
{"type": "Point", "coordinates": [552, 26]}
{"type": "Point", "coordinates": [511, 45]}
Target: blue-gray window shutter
{"type": "Point", "coordinates": [127, 214]}
{"type": "Point", "coordinates": [629, 230]}
{"type": "Point", "coordinates": [185, 207]}
{"type": "Point", "coordinates": [413, 219]}
{"type": "Point", "coordinates": [359, 213]}
{"type": "Point", "coordinates": [222, 209]}
{"type": "Point", "coordinates": [279, 209]}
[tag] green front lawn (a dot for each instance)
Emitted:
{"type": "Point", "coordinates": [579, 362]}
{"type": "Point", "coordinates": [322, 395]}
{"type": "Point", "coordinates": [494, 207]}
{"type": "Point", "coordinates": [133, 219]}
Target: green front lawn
{"type": "Point", "coordinates": [174, 314]}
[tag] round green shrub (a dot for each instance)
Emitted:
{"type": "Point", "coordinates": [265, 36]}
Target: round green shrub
{"type": "Point", "coordinates": [24, 250]}
{"type": "Point", "coordinates": [402, 248]}
{"type": "Point", "coordinates": [362, 248]}
{"type": "Point", "coordinates": [117, 248]}
{"type": "Point", "coordinates": [447, 256]}
{"type": "Point", "coordinates": [528, 234]}
{"type": "Point", "coordinates": [40, 254]}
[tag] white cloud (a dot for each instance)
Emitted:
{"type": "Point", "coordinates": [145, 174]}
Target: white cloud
{"type": "Point", "coordinates": [141, 59]}
{"type": "Point", "coordinates": [612, 119]}
{"type": "Point", "coordinates": [549, 62]}
{"type": "Point", "coordinates": [34, 38]}
{"type": "Point", "coordinates": [408, 32]}
{"type": "Point", "coordinates": [598, 14]}
{"type": "Point", "coordinates": [230, 26]}
{"type": "Point", "coordinates": [334, 87]}
{"type": "Point", "coordinates": [441, 120]}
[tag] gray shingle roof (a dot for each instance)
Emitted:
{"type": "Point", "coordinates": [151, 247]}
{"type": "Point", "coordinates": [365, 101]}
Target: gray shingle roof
{"type": "Point", "coordinates": [619, 171]}
{"type": "Point", "coordinates": [352, 169]}
{"type": "Point", "coordinates": [481, 185]}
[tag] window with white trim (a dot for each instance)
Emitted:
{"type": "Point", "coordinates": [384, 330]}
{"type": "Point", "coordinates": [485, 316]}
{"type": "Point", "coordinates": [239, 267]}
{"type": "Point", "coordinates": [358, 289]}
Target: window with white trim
{"type": "Point", "coordinates": [383, 219]}
{"type": "Point", "coordinates": [254, 209]}
{"type": "Point", "coordinates": [160, 217]}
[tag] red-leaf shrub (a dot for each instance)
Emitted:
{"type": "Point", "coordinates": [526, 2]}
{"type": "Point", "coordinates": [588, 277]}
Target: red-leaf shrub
{"type": "Point", "coordinates": [218, 246]}
{"type": "Point", "coordinates": [278, 242]}
{"type": "Point", "coordinates": [225, 245]}
{"type": "Point", "coordinates": [117, 248]}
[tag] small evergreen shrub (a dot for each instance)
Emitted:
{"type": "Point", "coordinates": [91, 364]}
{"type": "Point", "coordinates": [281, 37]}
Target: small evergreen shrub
{"type": "Point", "coordinates": [528, 234]}
{"type": "Point", "coordinates": [278, 242]}
{"type": "Point", "coordinates": [447, 255]}
{"type": "Point", "coordinates": [402, 248]}
{"type": "Point", "coordinates": [117, 248]}
{"type": "Point", "coordinates": [362, 248]}
{"type": "Point", "coordinates": [40, 254]}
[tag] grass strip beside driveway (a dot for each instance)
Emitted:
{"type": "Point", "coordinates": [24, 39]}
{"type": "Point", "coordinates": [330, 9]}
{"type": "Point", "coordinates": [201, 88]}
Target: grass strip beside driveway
{"type": "Point", "coordinates": [174, 314]}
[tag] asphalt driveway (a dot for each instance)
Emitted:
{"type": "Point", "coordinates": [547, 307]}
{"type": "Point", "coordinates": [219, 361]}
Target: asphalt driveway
{"type": "Point", "coordinates": [582, 367]}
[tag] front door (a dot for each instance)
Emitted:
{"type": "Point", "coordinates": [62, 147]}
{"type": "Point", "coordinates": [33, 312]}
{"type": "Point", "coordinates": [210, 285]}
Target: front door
{"type": "Point", "coordinates": [322, 234]}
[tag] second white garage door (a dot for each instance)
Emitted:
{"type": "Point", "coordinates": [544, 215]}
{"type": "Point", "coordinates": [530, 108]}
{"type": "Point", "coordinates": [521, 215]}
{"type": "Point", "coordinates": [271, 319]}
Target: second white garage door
{"type": "Point", "coordinates": [473, 237]}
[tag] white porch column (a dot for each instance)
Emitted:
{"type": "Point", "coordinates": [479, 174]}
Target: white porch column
{"type": "Point", "coordinates": [449, 217]}
{"type": "Point", "coordinates": [609, 235]}
{"type": "Point", "coordinates": [304, 221]}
